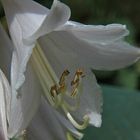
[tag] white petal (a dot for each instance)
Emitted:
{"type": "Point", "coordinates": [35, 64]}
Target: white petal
{"type": "Point", "coordinates": [5, 52]}
{"type": "Point", "coordinates": [68, 126]}
{"type": "Point", "coordinates": [45, 125]}
{"type": "Point", "coordinates": [5, 63]}
{"type": "Point", "coordinates": [28, 20]}
{"type": "Point", "coordinates": [34, 19]}
{"type": "Point", "coordinates": [3, 116]}
{"type": "Point", "coordinates": [8, 95]}
{"type": "Point", "coordinates": [57, 16]}
{"type": "Point", "coordinates": [90, 101]}
{"type": "Point", "coordinates": [96, 33]}
{"type": "Point", "coordinates": [25, 104]}
{"type": "Point", "coordinates": [27, 13]}
{"type": "Point", "coordinates": [86, 54]}
{"type": "Point", "coordinates": [61, 61]}
{"type": "Point", "coordinates": [22, 19]}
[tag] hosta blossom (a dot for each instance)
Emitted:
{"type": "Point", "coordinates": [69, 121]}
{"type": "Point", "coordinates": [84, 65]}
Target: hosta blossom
{"type": "Point", "coordinates": [56, 55]}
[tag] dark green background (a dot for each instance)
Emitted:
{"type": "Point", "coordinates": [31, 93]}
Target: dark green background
{"type": "Point", "coordinates": [121, 116]}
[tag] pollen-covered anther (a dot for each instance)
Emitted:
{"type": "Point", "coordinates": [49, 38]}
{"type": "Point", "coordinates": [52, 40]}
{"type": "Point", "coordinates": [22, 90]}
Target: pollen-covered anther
{"type": "Point", "coordinates": [76, 81]}
{"type": "Point", "coordinates": [54, 90]}
{"type": "Point", "coordinates": [61, 87]}
{"type": "Point", "coordinates": [62, 80]}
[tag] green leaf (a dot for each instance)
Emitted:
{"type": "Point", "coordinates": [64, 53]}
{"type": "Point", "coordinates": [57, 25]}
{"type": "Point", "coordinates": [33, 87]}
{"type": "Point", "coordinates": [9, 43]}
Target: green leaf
{"type": "Point", "coordinates": [121, 116]}
{"type": "Point", "coordinates": [128, 78]}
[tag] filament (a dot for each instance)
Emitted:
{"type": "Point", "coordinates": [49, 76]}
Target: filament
{"type": "Point", "coordinates": [75, 124]}
{"type": "Point", "coordinates": [44, 72]}
{"type": "Point", "coordinates": [69, 136]}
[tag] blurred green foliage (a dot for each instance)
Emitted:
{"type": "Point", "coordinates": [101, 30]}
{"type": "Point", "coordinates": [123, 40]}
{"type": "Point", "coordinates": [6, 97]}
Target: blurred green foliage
{"type": "Point", "coordinates": [105, 12]}
{"type": "Point", "coordinates": [120, 116]}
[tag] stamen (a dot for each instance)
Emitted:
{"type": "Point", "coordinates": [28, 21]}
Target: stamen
{"type": "Point", "coordinates": [77, 76]}
{"type": "Point", "coordinates": [44, 72]}
{"type": "Point", "coordinates": [72, 107]}
{"type": "Point", "coordinates": [62, 84]}
{"type": "Point", "coordinates": [76, 82]}
{"type": "Point", "coordinates": [55, 89]}
{"type": "Point", "coordinates": [62, 78]}
{"type": "Point", "coordinates": [76, 125]}
{"type": "Point", "coordinates": [61, 87]}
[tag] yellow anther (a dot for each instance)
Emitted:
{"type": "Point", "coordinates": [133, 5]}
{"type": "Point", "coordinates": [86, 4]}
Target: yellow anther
{"type": "Point", "coordinates": [76, 81]}
{"type": "Point", "coordinates": [54, 90]}
{"type": "Point", "coordinates": [61, 87]}
{"type": "Point", "coordinates": [63, 78]}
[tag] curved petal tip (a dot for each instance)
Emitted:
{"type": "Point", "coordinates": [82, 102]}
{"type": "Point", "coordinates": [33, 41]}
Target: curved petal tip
{"type": "Point", "coordinates": [95, 119]}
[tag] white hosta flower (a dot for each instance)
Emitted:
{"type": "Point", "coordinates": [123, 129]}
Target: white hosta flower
{"type": "Point", "coordinates": [64, 46]}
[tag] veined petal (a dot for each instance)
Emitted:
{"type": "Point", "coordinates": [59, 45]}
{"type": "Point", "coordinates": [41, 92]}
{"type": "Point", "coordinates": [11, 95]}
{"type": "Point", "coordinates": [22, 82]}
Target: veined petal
{"type": "Point", "coordinates": [102, 34]}
{"type": "Point", "coordinates": [60, 61]}
{"type": "Point", "coordinates": [45, 125]}
{"type": "Point", "coordinates": [90, 101]}
{"type": "Point", "coordinates": [3, 104]}
{"type": "Point", "coordinates": [25, 104]}
{"type": "Point", "coordinates": [88, 54]}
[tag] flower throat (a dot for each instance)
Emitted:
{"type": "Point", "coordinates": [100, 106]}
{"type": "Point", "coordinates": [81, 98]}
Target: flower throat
{"type": "Point", "coordinates": [55, 89]}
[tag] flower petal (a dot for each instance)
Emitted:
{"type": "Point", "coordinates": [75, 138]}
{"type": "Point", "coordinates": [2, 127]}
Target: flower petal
{"type": "Point", "coordinates": [45, 125]}
{"type": "Point", "coordinates": [6, 49]}
{"type": "Point", "coordinates": [60, 61]}
{"type": "Point", "coordinates": [19, 111]}
{"type": "Point", "coordinates": [90, 101]}
{"type": "Point", "coordinates": [28, 20]}
{"type": "Point", "coordinates": [96, 33]}
{"type": "Point", "coordinates": [28, 14]}
{"type": "Point", "coordinates": [34, 19]}
{"type": "Point", "coordinates": [25, 104]}
{"type": "Point", "coordinates": [57, 16]}
{"type": "Point", "coordinates": [22, 19]}
{"type": "Point", "coordinates": [112, 56]}
{"type": "Point", "coordinates": [68, 126]}
{"type": "Point", "coordinates": [3, 104]}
